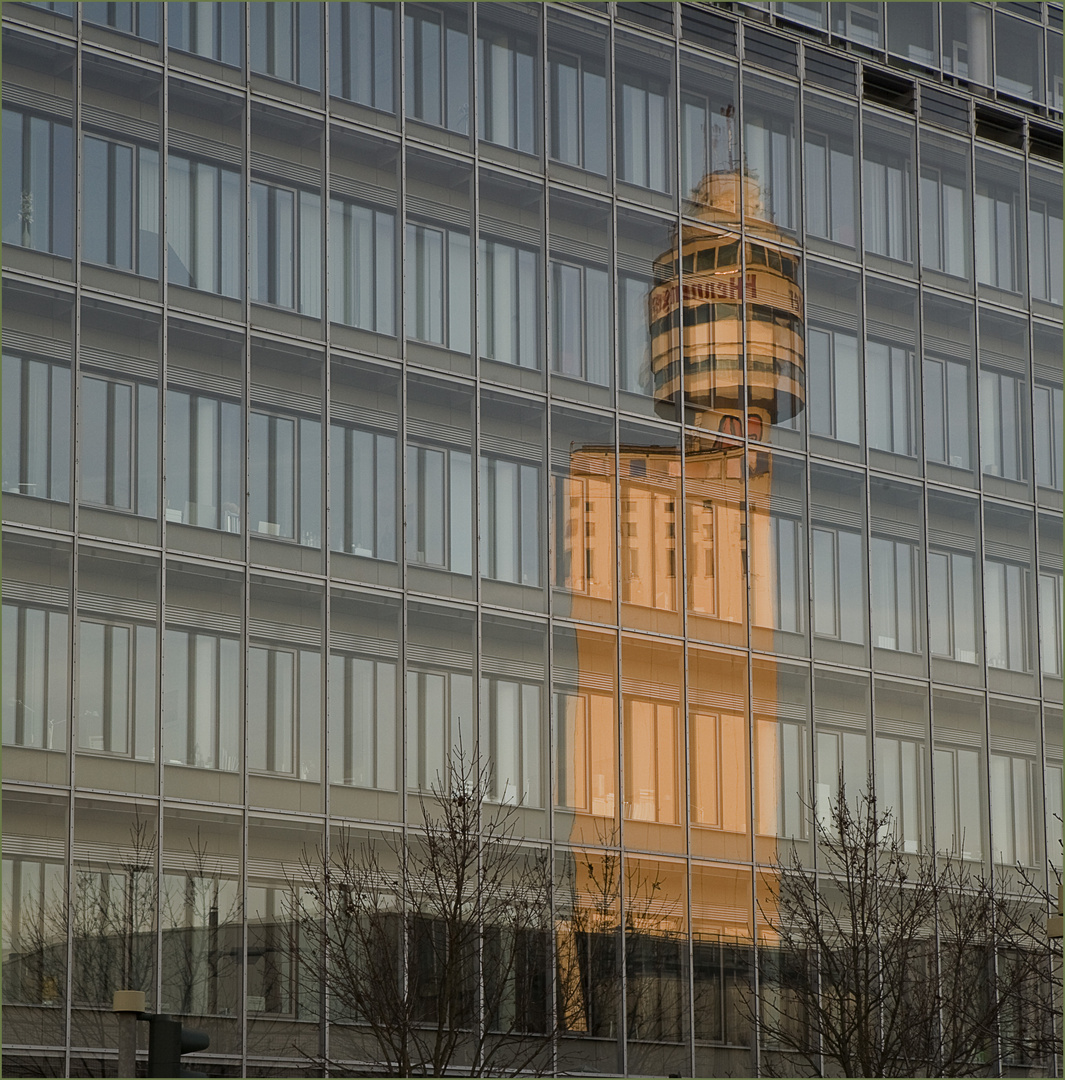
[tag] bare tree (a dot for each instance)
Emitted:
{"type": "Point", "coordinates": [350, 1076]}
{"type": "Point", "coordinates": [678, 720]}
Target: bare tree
{"type": "Point", "coordinates": [889, 963]}
{"type": "Point", "coordinates": [436, 943]}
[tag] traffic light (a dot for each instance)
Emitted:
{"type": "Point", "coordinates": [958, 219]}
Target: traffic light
{"type": "Point", "coordinates": [168, 1041]}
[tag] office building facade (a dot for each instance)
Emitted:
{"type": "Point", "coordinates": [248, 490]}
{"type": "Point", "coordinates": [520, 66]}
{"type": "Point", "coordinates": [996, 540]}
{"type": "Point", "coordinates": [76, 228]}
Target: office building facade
{"type": "Point", "coordinates": [660, 401]}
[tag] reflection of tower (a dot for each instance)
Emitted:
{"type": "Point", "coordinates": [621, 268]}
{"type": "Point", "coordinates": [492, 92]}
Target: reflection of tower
{"type": "Point", "coordinates": [726, 351]}
{"type": "Point", "coordinates": [695, 313]}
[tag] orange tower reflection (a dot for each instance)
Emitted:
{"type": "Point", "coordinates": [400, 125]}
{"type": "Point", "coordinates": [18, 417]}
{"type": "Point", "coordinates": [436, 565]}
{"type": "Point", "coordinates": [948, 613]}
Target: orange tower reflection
{"type": "Point", "coordinates": [693, 536]}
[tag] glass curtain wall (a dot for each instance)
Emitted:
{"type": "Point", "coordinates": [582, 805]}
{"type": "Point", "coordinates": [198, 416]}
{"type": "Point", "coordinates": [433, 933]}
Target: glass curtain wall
{"type": "Point", "coordinates": [660, 406]}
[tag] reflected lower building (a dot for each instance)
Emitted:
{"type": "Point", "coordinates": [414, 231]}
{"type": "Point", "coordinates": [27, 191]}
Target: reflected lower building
{"type": "Point", "coordinates": [663, 399]}
{"type": "Point", "coordinates": [726, 351]}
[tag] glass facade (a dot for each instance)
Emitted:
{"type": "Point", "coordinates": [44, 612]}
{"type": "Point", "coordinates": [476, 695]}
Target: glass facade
{"type": "Point", "coordinates": [670, 421]}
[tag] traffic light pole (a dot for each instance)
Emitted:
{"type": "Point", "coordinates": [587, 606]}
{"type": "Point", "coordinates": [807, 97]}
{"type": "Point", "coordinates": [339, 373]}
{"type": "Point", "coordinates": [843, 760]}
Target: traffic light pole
{"type": "Point", "coordinates": [168, 1039]}
{"type": "Point", "coordinates": [129, 1007]}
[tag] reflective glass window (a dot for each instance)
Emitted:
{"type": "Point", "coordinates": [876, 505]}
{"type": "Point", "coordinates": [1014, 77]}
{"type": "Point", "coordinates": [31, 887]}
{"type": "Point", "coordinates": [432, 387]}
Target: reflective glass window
{"type": "Point", "coordinates": [286, 248]}
{"type": "Point", "coordinates": [363, 491]}
{"type": "Point", "coordinates": [119, 445]}
{"type": "Point", "coordinates": [1044, 237]}
{"type": "Point", "coordinates": [954, 613]}
{"type": "Point", "coordinates": [945, 194]}
{"type": "Point", "coordinates": [580, 304]}
{"type": "Point", "coordinates": [718, 752]}
{"type": "Point", "coordinates": [899, 787]}
{"type": "Point", "coordinates": [139, 19]}
{"type": "Point", "coordinates": [511, 490]}
{"type": "Point", "coordinates": [913, 33]}
{"type": "Point", "coordinates": [1055, 72]}
{"type": "Point", "coordinates": [204, 226]}
{"type": "Point", "coordinates": [203, 461]}
{"type": "Point", "coordinates": [1002, 426]}
{"type": "Point", "coordinates": [440, 508]}
{"type": "Point", "coordinates": [1009, 597]}
{"type": "Point", "coordinates": [900, 750]}
{"type": "Point", "coordinates": [841, 711]}
{"type": "Point", "coordinates": [437, 67]}
{"type": "Point", "coordinates": [214, 30]}
{"type": "Point", "coordinates": [286, 42]}
{"type": "Point", "coordinates": [779, 593]}
{"type": "Point", "coordinates": [832, 359]}
{"type": "Point", "coordinates": [1050, 601]}
{"type": "Point", "coordinates": [1048, 428]}
{"type": "Point", "coordinates": [1012, 794]}
{"type": "Point", "coordinates": [583, 510]}
{"type": "Point", "coordinates": [284, 482]}
{"type": "Point", "coordinates": [967, 41]}
{"type": "Point", "coordinates": [36, 651]}
{"type": "Point", "coordinates": [815, 15]}
{"type": "Point", "coordinates": [770, 149]}
{"type": "Point", "coordinates": [1018, 57]}
{"type": "Point", "coordinates": [837, 556]}
{"type": "Point", "coordinates": [201, 700]}
{"type": "Point", "coordinates": [438, 277]}
{"type": "Point", "coordinates": [890, 379]}
{"type": "Point", "coordinates": [896, 574]}
{"type": "Point", "coordinates": [1004, 404]}
{"type": "Point", "coordinates": [952, 605]}
{"type": "Point", "coordinates": [642, 242]}
{"type": "Point", "coordinates": [60, 7]}
{"type": "Point", "coordinates": [650, 519]}
{"type": "Point", "coordinates": [513, 713]}
{"type": "Point", "coordinates": [642, 129]}
{"type": "Point", "coordinates": [894, 581]}
{"type": "Point", "coordinates": [507, 105]}
{"type": "Point", "coordinates": [201, 908]}
{"type": "Point", "coordinates": [831, 188]}
{"type": "Point", "coordinates": [585, 724]}
{"type": "Point", "coordinates": [714, 519]}
{"type": "Point", "coordinates": [116, 689]}
{"type": "Point", "coordinates": [280, 683]}
{"type": "Point", "coordinates": [959, 774]}
{"type": "Point", "coordinates": [360, 53]}
{"type": "Point", "coordinates": [782, 769]}
{"type": "Point", "coordinates": [890, 371]}
{"type": "Point", "coordinates": [1016, 825]}
{"type": "Point", "coordinates": [578, 109]}
{"type": "Point", "coordinates": [38, 197]}
{"type": "Point", "coordinates": [858, 22]}
{"type": "Point", "coordinates": [837, 569]}
{"type": "Point", "coordinates": [949, 384]}
{"type": "Point", "coordinates": [653, 755]}
{"type": "Point", "coordinates": [887, 189]}
{"type": "Point", "coordinates": [439, 724]}
{"type": "Point", "coordinates": [508, 280]}
{"type": "Point", "coordinates": [34, 890]}
{"type": "Point", "coordinates": [1007, 603]}
{"type": "Point", "coordinates": [510, 520]}
{"type": "Point", "coordinates": [1046, 402]}
{"type": "Point", "coordinates": [1050, 622]}
{"type": "Point", "coordinates": [651, 759]}
{"type": "Point", "coordinates": [709, 135]}
{"type": "Point", "coordinates": [363, 721]}
{"type": "Point", "coordinates": [121, 206]}
{"type": "Point", "coordinates": [362, 266]}
{"type": "Point", "coordinates": [786, 544]}
{"type": "Point", "coordinates": [438, 505]}
{"type": "Point", "coordinates": [999, 222]}
{"type": "Point", "coordinates": [1052, 788]}
{"type": "Point", "coordinates": [36, 398]}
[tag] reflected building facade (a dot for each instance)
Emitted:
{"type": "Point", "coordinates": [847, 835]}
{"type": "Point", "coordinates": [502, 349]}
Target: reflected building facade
{"type": "Point", "coordinates": [663, 401]}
